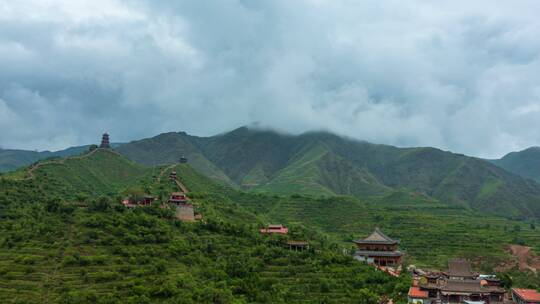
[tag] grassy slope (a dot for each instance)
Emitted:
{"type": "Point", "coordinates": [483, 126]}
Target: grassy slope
{"type": "Point", "coordinates": [167, 148]}
{"type": "Point", "coordinates": [316, 170]}
{"type": "Point", "coordinates": [102, 172]}
{"type": "Point", "coordinates": [104, 254]}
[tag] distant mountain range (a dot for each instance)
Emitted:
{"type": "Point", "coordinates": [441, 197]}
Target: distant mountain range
{"type": "Point", "coordinates": [13, 159]}
{"type": "Point", "coordinates": [320, 163]}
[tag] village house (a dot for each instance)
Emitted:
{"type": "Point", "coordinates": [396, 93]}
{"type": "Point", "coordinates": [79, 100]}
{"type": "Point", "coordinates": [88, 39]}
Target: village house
{"type": "Point", "coordinates": [525, 296]}
{"type": "Point", "coordinates": [459, 284]}
{"type": "Point", "coordinates": [378, 249]}
{"type": "Point", "coordinates": [133, 202]}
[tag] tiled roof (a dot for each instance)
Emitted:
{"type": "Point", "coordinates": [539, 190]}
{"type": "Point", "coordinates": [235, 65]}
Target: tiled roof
{"type": "Point", "coordinates": [377, 237]}
{"type": "Point", "coordinates": [469, 286]}
{"type": "Point", "coordinates": [528, 295]}
{"type": "Point", "coordinates": [417, 293]}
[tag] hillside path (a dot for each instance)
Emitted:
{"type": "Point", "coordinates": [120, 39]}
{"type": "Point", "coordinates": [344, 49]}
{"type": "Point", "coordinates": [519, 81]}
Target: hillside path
{"type": "Point", "coordinates": [180, 185]}
{"type": "Point", "coordinates": [31, 170]}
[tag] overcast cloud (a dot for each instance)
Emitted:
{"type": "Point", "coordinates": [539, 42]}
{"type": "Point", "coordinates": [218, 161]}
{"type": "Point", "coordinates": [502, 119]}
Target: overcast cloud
{"type": "Point", "coordinates": [459, 75]}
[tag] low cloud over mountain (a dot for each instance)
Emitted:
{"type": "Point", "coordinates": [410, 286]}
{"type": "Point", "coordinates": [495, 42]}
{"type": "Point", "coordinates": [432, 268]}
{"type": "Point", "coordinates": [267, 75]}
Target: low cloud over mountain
{"type": "Point", "coordinates": [459, 76]}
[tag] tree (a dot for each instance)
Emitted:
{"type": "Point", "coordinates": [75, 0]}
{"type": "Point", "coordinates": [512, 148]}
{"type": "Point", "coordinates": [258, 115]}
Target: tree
{"type": "Point", "coordinates": [101, 204]}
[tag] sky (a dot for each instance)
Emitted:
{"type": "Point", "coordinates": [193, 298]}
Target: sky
{"type": "Point", "coordinates": [457, 75]}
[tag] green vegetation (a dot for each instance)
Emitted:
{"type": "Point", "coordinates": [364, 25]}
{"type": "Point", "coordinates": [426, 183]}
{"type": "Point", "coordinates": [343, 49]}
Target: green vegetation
{"type": "Point", "coordinates": [431, 232]}
{"type": "Point", "coordinates": [525, 163]}
{"type": "Point", "coordinates": [325, 164]}
{"type": "Point", "coordinates": [55, 248]}
{"type": "Point", "coordinates": [65, 237]}
{"type": "Point", "coordinates": [320, 163]}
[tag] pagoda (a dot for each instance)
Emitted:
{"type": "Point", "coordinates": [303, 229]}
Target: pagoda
{"type": "Point", "coordinates": [105, 144]}
{"type": "Point", "coordinates": [378, 249]}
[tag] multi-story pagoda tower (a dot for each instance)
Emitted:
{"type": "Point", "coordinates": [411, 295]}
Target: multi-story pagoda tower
{"type": "Point", "coordinates": [105, 144]}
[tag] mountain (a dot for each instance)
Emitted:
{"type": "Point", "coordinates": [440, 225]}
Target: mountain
{"type": "Point", "coordinates": [168, 148]}
{"type": "Point", "coordinates": [324, 164]}
{"type": "Point", "coordinates": [525, 163]}
{"type": "Point", "coordinates": [321, 163]}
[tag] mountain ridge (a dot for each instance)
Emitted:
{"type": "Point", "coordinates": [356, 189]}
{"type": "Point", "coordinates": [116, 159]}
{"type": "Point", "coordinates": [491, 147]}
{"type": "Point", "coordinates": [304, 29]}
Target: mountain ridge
{"type": "Point", "coordinates": [321, 163]}
{"type": "Point", "coordinates": [263, 160]}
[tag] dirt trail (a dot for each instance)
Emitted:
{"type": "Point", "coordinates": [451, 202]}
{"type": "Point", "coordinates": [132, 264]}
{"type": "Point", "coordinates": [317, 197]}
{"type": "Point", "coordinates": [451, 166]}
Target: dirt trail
{"type": "Point", "coordinates": [180, 185]}
{"type": "Point", "coordinates": [523, 258]}
{"type": "Point", "coordinates": [33, 168]}
{"type": "Point", "coordinates": [165, 170]}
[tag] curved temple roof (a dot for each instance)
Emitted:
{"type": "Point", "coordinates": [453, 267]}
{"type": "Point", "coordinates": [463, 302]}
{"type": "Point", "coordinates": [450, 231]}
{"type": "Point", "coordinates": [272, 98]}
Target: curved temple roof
{"type": "Point", "coordinates": [377, 237]}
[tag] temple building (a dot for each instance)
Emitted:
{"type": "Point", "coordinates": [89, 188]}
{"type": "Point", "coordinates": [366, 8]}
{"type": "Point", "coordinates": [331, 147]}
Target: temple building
{"type": "Point", "coordinates": [378, 249]}
{"type": "Point", "coordinates": [274, 229]}
{"type": "Point", "coordinates": [459, 284]}
{"type": "Point", "coordinates": [178, 198]}
{"type": "Point", "coordinates": [172, 176]}
{"type": "Point", "coordinates": [105, 144]}
{"type": "Point", "coordinates": [145, 200]}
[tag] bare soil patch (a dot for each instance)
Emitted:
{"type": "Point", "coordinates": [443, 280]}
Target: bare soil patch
{"type": "Point", "coordinates": [523, 258]}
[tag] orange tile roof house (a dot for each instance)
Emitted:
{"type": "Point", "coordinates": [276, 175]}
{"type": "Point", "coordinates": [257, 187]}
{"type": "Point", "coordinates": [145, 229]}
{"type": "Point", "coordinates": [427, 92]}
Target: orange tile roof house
{"type": "Point", "coordinates": [525, 296]}
{"type": "Point", "coordinates": [416, 295]}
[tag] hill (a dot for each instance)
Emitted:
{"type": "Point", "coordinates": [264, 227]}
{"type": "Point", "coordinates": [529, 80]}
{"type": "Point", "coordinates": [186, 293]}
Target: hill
{"type": "Point", "coordinates": [168, 148]}
{"type": "Point", "coordinates": [525, 163]}
{"type": "Point", "coordinates": [320, 163]}
{"type": "Point", "coordinates": [13, 159]}
{"type": "Point", "coordinates": [58, 249]}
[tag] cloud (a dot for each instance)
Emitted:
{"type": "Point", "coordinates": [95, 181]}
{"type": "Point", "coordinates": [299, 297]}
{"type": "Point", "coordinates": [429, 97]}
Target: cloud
{"type": "Point", "coordinates": [457, 75]}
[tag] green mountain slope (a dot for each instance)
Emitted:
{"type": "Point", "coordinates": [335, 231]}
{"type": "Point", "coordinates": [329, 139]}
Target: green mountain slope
{"type": "Point", "coordinates": [316, 170]}
{"type": "Point", "coordinates": [323, 163]}
{"type": "Point", "coordinates": [57, 249]}
{"type": "Point", "coordinates": [525, 163]}
{"type": "Point", "coordinates": [168, 148]}
{"type": "Point", "coordinates": [98, 172]}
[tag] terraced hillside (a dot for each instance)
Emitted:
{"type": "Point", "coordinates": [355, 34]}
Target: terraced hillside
{"type": "Point", "coordinates": [430, 232]}
{"type": "Point", "coordinates": [57, 250]}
